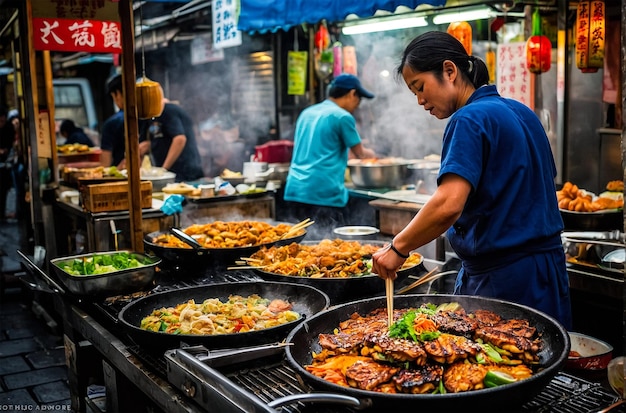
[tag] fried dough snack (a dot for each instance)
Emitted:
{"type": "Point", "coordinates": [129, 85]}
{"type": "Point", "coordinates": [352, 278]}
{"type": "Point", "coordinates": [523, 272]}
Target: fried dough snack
{"type": "Point", "coordinates": [615, 186]}
{"type": "Point", "coordinates": [232, 234]}
{"type": "Point", "coordinates": [572, 198]}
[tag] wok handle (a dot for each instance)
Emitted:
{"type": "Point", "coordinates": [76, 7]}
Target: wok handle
{"type": "Point", "coordinates": [322, 397]}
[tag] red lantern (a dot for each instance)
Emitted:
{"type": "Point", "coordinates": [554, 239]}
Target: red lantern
{"type": "Point", "coordinates": [538, 48]}
{"type": "Point", "coordinates": [322, 38]}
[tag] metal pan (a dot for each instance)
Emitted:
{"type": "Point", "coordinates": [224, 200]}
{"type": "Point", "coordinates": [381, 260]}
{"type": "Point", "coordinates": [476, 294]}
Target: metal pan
{"type": "Point", "coordinates": [306, 300]}
{"type": "Point", "coordinates": [606, 220]}
{"type": "Point", "coordinates": [341, 290]}
{"type": "Point", "coordinates": [556, 345]}
{"type": "Point", "coordinates": [111, 283]}
{"type": "Point", "coordinates": [201, 257]}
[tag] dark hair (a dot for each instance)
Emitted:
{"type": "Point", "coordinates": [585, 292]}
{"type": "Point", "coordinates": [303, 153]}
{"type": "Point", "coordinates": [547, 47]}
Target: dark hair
{"type": "Point", "coordinates": [428, 51]}
{"type": "Point", "coordinates": [67, 126]}
{"type": "Point", "coordinates": [337, 92]}
{"type": "Point", "coordinates": [115, 84]}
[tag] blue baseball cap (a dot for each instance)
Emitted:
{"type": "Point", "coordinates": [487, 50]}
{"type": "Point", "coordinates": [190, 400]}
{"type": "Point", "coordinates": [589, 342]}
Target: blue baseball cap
{"type": "Point", "coordinates": [348, 81]}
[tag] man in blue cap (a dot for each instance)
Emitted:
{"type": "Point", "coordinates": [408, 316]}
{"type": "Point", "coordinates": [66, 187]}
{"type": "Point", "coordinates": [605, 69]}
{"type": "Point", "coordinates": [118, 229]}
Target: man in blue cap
{"type": "Point", "coordinates": [325, 134]}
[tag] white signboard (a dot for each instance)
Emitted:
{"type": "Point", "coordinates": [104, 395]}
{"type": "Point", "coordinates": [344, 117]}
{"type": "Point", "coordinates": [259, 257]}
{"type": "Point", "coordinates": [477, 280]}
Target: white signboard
{"type": "Point", "coordinates": [225, 33]}
{"type": "Point", "coordinates": [513, 78]}
{"type": "Point", "coordinates": [202, 50]}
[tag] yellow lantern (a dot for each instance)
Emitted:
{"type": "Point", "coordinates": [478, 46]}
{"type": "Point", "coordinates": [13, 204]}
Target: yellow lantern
{"type": "Point", "coordinates": [590, 36]}
{"type": "Point", "coordinates": [463, 33]}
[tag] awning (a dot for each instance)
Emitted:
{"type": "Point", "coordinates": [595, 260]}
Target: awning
{"type": "Point", "coordinates": [271, 15]}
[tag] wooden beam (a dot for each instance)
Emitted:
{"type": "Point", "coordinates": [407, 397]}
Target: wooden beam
{"type": "Point", "coordinates": [131, 128]}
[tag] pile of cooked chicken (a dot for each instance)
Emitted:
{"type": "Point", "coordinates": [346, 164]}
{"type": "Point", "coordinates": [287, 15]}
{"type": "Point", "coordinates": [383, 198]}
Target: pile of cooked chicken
{"type": "Point", "coordinates": [430, 349]}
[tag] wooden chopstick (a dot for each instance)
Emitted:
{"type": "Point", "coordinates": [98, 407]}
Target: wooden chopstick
{"type": "Point", "coordinates": [389, 293]}
{"type": "Point", "coordinates": [246, 267]}
{"type": "Point", "coordinates": [430, 276]}
{"type": "Point", "coordinates": [297, 227]}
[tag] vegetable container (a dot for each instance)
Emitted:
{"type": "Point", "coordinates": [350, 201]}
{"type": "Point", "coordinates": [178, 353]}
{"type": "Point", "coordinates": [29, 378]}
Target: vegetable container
{"type": "Point", "coordinates": [117, 281]}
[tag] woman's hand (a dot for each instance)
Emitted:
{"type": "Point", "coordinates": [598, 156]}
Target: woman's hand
{"type": "Point", "coordinates": [386, 262]}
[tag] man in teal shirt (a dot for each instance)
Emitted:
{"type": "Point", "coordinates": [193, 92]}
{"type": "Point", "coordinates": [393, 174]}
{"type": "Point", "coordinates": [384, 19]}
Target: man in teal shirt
{"type": "Point", "coordinates": [325, 134]}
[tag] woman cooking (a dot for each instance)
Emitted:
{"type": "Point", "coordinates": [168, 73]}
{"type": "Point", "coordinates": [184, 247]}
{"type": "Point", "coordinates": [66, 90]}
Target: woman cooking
{"type": "Point", "coordinates": [496, 196]}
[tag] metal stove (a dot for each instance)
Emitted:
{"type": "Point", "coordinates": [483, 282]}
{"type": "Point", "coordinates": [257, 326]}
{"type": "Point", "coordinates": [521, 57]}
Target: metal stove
{"type": "Point", "coordinates": [267, 383]}
{"type": "Point", "coordinates": [262, 381]}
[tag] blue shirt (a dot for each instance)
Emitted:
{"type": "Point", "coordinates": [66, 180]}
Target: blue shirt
{"type": "Point", "coordinates": [324, 134]}
{"type": "Point", "coordinates": [500, 147]}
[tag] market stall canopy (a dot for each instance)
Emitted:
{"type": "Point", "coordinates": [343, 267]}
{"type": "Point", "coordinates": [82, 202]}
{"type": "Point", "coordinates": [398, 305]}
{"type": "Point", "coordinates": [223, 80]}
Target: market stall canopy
{"type": "Point", "coordinates": [271, 15]}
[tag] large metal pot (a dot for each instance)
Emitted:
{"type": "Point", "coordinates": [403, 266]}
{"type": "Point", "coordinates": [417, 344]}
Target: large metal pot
{"type": "Point", "coordinates": [306, 300]}
{"type": "Point", "coordinates": [380, 174]}
{"type": "Point", "coordinates": [556, 345]}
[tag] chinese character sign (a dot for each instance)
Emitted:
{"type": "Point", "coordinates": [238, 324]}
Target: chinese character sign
{"type": "Point", "coordinates": [71, 35]}
{"type": "Point", "coordinates": [225, 33]}
{"type": "Point", "coordinates": [513, 78]}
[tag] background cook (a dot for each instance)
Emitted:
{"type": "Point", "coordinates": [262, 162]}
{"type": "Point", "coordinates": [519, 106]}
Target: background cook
{"type": "Point", "coordinates": [324, 135]}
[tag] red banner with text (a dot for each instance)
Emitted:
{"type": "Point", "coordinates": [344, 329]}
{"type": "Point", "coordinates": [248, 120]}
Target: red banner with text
{"type": "Point", "coordinates": [76, 35]}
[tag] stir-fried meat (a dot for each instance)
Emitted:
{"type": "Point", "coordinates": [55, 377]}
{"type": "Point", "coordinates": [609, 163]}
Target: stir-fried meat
{"type": "Point", "coordinates": [448, 348]}
{"type": "Point", "coordinates": [419, 381]}
{"type": "Point", "coordinates": [486, 317]}
{"type": "Point", "coordinates": [507, 340]}
{"type": "Point", "coordinates": [375, 321]}
{"type": "Point", "coordinates": [517, 327]}
{"type": "Point", "coordinates": [461, 377]}
{"type": "Point", "coordinates": [455, 322]}
{"type": "Point", "coordinates": [367, 375]}
{"type": "Point", "coordinates": [382, 347]}
{"type": "Point", "coordinates": [340, 343]}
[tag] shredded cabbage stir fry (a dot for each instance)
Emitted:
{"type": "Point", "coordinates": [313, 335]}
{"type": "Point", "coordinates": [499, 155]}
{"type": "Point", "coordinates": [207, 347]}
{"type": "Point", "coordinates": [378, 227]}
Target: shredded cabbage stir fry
{"type": "Point", "coordinates": [237, 315]}
{"type": "Point", "coordinates": [103, 263]}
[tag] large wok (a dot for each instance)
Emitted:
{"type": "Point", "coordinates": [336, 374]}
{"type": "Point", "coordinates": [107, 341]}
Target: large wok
{"type": "Point", "coordinates": [306, 300]}
{"type": "Point", "coordinates": [201, 257]}
{"type": "Point", "coordinates": [341, 290]}
{"type": "Point", "coordinates": [504, 398]}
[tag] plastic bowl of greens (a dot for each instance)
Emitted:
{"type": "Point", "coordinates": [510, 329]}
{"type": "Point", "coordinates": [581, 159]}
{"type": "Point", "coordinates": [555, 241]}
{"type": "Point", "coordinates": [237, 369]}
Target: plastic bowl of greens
{"type": "Point", "coordinates": [105, 273]}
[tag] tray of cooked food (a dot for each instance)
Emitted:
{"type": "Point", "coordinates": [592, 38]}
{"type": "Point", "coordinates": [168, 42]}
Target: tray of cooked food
{"type": "Point", "coordinates": [585, 211]}
{"type": "Point", "coordinates": [221, 242]}
{"type": "Point", "coordinates": [442, 352]}
{"type": "Point", "coordinates": [340, 268]}
{"type": "Point", "coordinates": [105, 273]}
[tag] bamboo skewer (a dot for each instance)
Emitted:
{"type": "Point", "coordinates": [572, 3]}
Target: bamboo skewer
{"type": "Point", "coordinates": [430, 276]}
{"type": "Point", "coordinates": [389, 293]}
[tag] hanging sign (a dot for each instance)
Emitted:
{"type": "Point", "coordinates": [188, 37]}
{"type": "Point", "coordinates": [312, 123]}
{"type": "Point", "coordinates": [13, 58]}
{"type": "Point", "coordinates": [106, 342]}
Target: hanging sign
{"type": "Point", "coordinates": [202, 50]}
{"type": "Point", "coordinates": [224, 15]}
{"type": "Point", "coordinates": [105, 10]}
{"type": "Point", "coordinates": [72, 35]}
{"type": "Point", "coordinates": [296, 72]}
{"type": "Point", "coordinates": [513, 78]}
{"type": "Point", "coordinates": [590, 37]}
